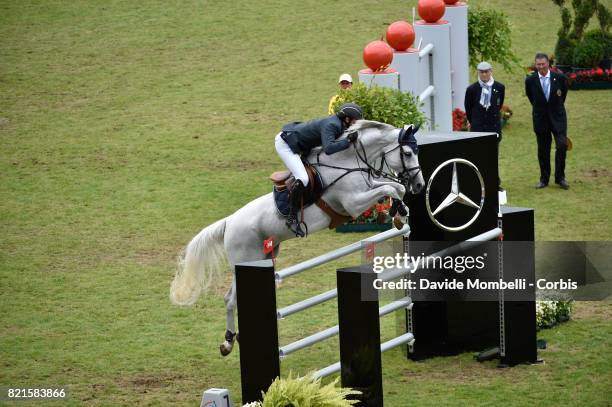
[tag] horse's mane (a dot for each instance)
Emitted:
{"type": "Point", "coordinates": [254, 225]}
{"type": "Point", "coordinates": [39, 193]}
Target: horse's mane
{"type": "Point", "coordinates": [370, 124]}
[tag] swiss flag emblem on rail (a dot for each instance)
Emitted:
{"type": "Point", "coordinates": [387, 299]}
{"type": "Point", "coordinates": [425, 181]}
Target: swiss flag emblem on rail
{"type": "Point", "coordinates": [370, 251]}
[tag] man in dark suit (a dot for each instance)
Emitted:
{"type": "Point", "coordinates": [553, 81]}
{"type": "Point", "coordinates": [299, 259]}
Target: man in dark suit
{"type": "Point", "coordinates": [546, 91]}
{"type": "Point", "coordinates": [483, 102]}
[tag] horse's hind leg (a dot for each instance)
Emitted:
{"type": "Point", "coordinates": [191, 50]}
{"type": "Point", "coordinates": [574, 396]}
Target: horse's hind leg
{"type": "Point", "coordinates": [241, 245]}
{"type": "Point", "coordinates": [230, 332]}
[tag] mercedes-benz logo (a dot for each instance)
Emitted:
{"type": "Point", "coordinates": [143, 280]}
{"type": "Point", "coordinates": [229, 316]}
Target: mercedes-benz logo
{"type": "Point", "coordinates": [455, 196]}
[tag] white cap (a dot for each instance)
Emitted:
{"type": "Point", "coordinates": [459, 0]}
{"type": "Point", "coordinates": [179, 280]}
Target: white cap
{"type": "Point", "coordinates": [484, 66]}
{"type": "Point", "coordinates": [345, 77]}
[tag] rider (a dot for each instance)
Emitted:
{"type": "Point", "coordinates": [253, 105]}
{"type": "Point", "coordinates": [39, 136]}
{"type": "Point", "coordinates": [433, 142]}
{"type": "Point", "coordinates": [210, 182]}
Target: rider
{"type": "Point", "coordinates": [297, 139]}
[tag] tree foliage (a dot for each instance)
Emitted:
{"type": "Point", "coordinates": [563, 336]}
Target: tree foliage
{"type": "Point", "coordinates": [490, 38]}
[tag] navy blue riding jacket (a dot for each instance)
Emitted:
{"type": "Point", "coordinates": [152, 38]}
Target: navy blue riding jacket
{"type": "Point", "coordinates": [303, 137]}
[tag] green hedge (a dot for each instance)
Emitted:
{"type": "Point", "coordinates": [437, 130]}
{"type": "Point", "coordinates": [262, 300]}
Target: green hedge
{"type": "Point", "coordinates": [382, 104]}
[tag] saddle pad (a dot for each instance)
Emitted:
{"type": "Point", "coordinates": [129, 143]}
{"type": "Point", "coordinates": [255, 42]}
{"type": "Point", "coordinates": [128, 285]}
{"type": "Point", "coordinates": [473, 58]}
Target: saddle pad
{"type": "Point", "coordinates": [281, 198]}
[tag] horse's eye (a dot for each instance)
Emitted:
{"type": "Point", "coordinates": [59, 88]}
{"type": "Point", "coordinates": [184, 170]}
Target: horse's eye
{"type": "Point", "coordinates": [408, 154]}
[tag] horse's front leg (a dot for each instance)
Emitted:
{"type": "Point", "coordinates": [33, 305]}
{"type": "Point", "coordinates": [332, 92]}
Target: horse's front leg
{"type": "Point", "coordinates": [401, 190]}
{"type": "Point", "coordinates": [400, 214]}
{"type": "Point", "coordinates": [363, 200]}
{"type": "Point", "coordinates": [230, 332]}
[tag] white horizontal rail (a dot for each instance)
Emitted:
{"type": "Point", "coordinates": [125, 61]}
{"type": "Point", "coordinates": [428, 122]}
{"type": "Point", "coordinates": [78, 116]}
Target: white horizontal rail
{"type": "Point", "coordinates": [394, 306]}
{"type": "Point", "coordinates": [427, 92]}
{"type": "Point", "coordinates": [395, 342]}
{"type": "Point", "coordinates": [475, 241]}
{"type": "Point", "coordinates": [326, 371]}
{"type": "Point", "coordinates": [335, 368]}
{"type": "Point", "coordinates": [335, 254]}
{"type": "Point", "coordinates": [426, 50]}
{"type": "Point", "coordinates": [308, 341]}
{"type": "Point", "coordinates": [307, 303]}
{"type": "Point", "coordinates": [333, 331]}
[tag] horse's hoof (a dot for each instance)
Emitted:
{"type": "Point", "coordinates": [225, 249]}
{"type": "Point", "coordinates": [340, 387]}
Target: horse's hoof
{"type": "Point", "coordinates": [397, 222]}
{"type": "Point", "coordinates": [226, 348]}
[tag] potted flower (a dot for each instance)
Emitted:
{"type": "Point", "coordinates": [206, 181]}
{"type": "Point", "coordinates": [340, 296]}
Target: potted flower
{"type": "Point", "coordinates": [506, 114]}
{"type": "Point", "coordinates": [594, 78]}
{"type": "Point", "coordinates": [375, 218]}
{"type": "Point", "coordinates": [306, 391]}
{"type": "Point", "coordinates": [460, 122]}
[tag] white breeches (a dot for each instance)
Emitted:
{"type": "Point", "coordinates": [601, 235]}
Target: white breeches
{"type": "Point", "coordinates": [291, 159]}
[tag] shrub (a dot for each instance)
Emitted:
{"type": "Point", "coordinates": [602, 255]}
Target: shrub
{"type": "Point", "coordinates": [382, 104]}
{"type": "Point", "coordinates": [604, 16]}
{"type": "Point", "coordinates": [552, 310]}
{"type": "Point", "coordinates": [589, 53]}
{"type": "Point", "coordinates": [573, 26]}
{"type": "Point", "coordinates": [602, 37]}
{"type": "Point", "coordinates": [564, 51]}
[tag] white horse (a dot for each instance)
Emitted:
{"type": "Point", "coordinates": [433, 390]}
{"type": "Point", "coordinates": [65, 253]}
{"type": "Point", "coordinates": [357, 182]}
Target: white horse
{"type": "Point", "coordinates": [382, 163]}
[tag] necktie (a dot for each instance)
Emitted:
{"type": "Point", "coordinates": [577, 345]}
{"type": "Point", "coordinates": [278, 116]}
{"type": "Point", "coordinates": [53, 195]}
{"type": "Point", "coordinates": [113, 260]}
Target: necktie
{"type": "Point", "coordinates": [545, 86]}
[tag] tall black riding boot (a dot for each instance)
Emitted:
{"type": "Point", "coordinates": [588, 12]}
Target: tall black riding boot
{"type": "Point", "coordinates": [295, 200]}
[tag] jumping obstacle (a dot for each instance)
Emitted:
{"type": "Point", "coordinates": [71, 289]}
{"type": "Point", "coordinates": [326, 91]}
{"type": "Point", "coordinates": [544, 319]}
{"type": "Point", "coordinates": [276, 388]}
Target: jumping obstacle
{"type": "Point", "coordinates": [436, 72]}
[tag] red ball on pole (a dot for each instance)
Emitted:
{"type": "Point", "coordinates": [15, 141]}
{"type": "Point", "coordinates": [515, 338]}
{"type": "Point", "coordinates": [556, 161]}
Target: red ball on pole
{"type": "Point", "coordinates": [400, 35]}
{"type": "Point", "coordinates": [377, 55]}
{"type": "Point", "coordinates": [431, 10]}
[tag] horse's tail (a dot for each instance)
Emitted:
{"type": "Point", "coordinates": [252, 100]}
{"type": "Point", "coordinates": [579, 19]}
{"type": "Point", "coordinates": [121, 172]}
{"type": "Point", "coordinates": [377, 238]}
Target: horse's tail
{"type": "Point", "coordinates": [199, 264]}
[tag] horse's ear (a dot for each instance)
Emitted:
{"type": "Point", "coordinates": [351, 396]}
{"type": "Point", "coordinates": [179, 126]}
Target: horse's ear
{"type": "Point", "coordinates": [406, 137]}
{"type": "Point", "coordinates": [400, 136]}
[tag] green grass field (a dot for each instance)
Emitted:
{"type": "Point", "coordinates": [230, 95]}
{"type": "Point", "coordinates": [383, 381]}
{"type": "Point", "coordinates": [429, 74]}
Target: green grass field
{"type": "Point", "coordinates": [126, 127]}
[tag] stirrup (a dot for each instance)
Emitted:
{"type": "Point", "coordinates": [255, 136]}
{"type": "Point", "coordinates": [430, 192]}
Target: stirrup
{"type": "Point", "coordinates": [294, 226]}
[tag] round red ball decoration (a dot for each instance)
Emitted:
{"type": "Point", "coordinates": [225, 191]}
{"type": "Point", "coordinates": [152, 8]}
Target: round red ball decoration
{"type": "Point", "coordinates": [431, 10]}
{"type": "Point", "coordinates": [450, 1]}
{"type": "Point", "coordinates": [400, 35]}
{"type": "Point", "coordinates": [377, 55]}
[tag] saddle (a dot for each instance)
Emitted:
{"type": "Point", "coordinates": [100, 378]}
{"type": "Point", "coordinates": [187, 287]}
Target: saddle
{"type": "Point", "coordinates": [283, 182]}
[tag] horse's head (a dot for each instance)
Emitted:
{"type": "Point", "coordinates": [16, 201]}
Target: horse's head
{"type": "Point", "coordinates": [408, 155]}
{"type": "Point", "coordinates": [394, 148]}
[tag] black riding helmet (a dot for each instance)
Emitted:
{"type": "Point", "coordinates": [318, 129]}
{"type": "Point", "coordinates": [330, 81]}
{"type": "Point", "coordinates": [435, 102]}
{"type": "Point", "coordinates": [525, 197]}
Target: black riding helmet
{"type": "Point", "coordinates": [350, 110]}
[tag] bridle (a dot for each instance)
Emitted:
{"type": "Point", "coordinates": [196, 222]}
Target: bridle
{"type": "Point", "coordinates": [405, 177]}
{"type": "Point", "coordinates": [408, 173]}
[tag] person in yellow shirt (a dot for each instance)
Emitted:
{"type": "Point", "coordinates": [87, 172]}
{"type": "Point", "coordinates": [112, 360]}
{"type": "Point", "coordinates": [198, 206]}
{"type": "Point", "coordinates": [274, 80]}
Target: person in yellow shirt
{"type": "Point", "coordinates": [344, 82]}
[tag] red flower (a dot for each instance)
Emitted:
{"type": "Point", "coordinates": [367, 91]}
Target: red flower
{"type": "Point", "coordinates": [572, 76]}
{"type": "Point", "coordinates": [599, 71]}
{"type": "Point", "coordinates": [368, 213]}
{"type": "Point", "coordinates": [459, 120]}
